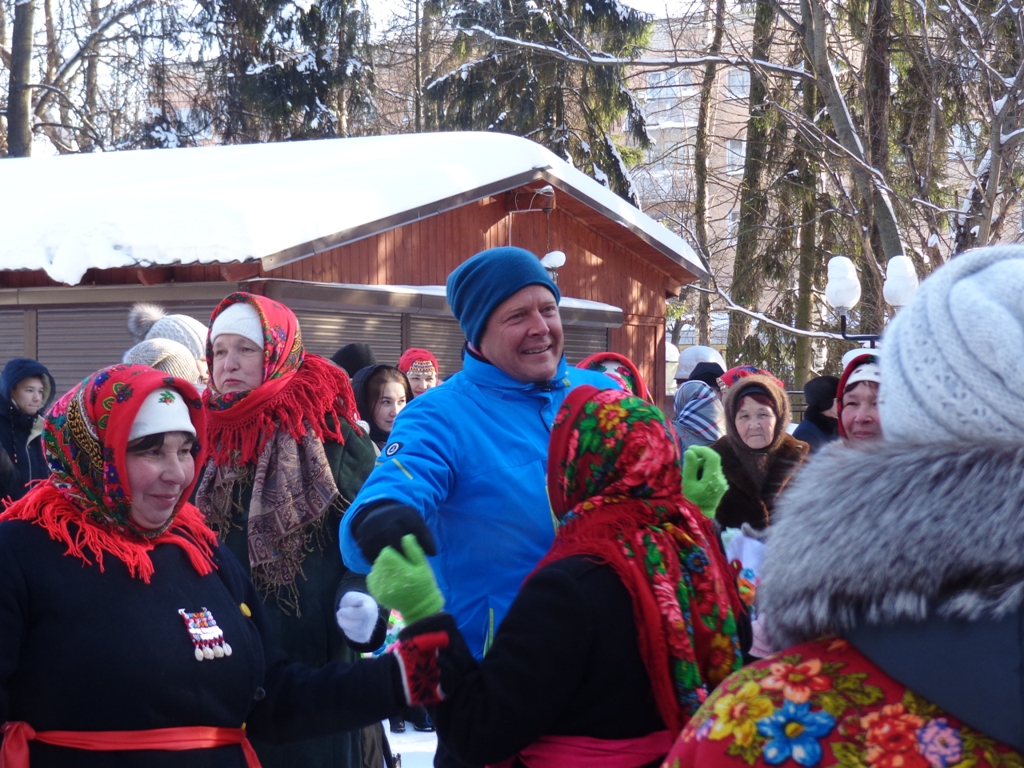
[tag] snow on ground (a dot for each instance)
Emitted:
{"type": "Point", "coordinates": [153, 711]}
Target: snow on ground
{"type": "Point", "coordinates": [416, 748]}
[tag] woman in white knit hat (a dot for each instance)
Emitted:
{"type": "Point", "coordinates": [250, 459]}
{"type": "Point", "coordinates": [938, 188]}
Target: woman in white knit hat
{"type": "Point", "coordinates": [286, 460]}
{"type": "Point", "coordinates": [894, 577]}
{"type": "Point", "coordinates": [857, 403]}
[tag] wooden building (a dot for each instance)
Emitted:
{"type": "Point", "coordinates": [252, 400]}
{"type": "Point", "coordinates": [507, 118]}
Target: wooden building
{"type": "Point", "coordinates": [356, 235]}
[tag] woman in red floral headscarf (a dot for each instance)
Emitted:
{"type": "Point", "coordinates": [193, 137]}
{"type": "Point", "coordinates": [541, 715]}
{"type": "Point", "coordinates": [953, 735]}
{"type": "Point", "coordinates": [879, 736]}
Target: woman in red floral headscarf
{"type": "Point", "coordinates": [128, 635]}
{"type": "Point", "coordinates": [623, 628]}
{"type": "Point", "coordinates": [286, 459]}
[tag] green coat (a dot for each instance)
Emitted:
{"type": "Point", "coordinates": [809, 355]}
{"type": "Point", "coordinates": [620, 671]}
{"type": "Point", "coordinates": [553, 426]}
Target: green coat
{"type": "Point", "coordinates": [313, 637]}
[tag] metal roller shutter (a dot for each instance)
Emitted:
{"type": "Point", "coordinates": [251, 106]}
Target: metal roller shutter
{"type": "Point", "coordinates": [12, 335]}
{"type": "Point", "coordinates": [324, 333]}
{"type": "Point", "coordinates": [581, 341]}
{"type": "Point", "coordinates": [72, 343]}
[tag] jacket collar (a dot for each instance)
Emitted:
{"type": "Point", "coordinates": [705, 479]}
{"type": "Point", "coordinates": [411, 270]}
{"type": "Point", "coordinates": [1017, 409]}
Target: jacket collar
{"type": "Point", "coordinates": [485, 374]}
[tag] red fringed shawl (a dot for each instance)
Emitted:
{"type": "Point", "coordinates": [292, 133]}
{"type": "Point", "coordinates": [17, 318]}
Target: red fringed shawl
{"type": "Point", "coordinates": [301, 392]}
{"type": "Point", "coordinates": [86, 502]}
{"type": "Point", "coordinates": [615, 485]}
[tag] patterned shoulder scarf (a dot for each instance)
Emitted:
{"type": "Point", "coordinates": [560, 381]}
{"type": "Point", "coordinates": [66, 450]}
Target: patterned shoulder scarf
{"type": "Point", "coordinates": [615, 485]}
{"type": "Point", "coordinates": [273, 436]}
{"type": "Point", "coordinates": [86, 502]}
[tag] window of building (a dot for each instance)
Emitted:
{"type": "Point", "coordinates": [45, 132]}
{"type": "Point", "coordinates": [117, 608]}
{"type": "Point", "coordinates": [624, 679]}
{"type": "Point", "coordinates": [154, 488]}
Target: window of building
{"type": "Point", "coordinates": [735, 151]}
{"type": "Point", "coordinates": [737, 83]}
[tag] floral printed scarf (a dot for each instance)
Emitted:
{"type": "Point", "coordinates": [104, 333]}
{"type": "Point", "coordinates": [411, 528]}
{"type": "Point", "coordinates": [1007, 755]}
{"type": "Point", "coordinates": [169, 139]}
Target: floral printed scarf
{"type": "Point", "coordinates": [273, 436]}
{"type": "Point", "coordinates": [615, 485]}
{"type": "Point", "coordinates": [620, 368]}
{"type": "Point", "coordinates": [86, 502]}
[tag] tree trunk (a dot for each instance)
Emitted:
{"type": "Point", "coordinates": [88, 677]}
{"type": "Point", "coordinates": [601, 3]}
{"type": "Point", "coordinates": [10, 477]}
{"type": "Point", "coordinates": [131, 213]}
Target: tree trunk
{"type": "Point", "coordinates": [700, 169]}
{"type": "Point", "coordinates": [808, 256]}
{"type": "Point", "coordinates": [19, 101]}
{"type": "Point", "coordinates": [868, 183]}
{"type": "Point", "coordinates": [747, 274]}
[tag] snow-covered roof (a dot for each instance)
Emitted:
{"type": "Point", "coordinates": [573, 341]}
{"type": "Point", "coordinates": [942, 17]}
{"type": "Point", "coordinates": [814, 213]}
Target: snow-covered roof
{"type": "Point", "coordinates": [274, 202]}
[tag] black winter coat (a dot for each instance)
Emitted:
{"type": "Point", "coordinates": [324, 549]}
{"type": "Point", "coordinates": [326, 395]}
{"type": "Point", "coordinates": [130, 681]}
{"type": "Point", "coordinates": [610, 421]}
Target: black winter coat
{"type": "Point", "coordinates": [565, 661]}
{"type": "Point", "coordinates": [744, 502]}
{"type": "Point", "coordinates": [24, 450]}
{"type": "Point", "coordinates": [90, 648]}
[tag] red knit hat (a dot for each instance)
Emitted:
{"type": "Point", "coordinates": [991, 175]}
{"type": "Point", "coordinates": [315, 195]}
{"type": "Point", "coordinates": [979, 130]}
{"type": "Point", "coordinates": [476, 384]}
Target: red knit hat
{"type": "Point", "coordinates": [414, 355]}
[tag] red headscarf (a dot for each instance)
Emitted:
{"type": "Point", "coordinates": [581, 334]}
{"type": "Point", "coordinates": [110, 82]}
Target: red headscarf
{"type": "Point", "coordinates": [274, 435]}
{"type": "Point", "coordinates": [300, 391]}
{"type": "Point", "coordinates": [615, 485]}
{"type": "Point", "coordinates": [86, 503]}
{"type": "Point", "coordinates": [620, 368]}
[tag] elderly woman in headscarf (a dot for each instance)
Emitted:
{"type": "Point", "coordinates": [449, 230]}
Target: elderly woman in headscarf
{"type": "Point", "coordinates": [286, 459]}
{"type": "Point", "coordinates": [894, 577]}
{"type": "Point", "coordinates": [617, 635]}
{"type": "Point", "coordinates": [759, 457]}
{"type": "Point", "coordinates": [857, 402]}
{"type": "Point", "coordinates": [128, 635]}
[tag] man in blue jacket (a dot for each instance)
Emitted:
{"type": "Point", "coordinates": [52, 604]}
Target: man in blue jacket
{"type": "Point", "coordinates": [465, 466]}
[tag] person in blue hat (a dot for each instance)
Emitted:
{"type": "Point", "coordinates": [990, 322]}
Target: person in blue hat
{"type": "Point", "coordinates": [464, 466]}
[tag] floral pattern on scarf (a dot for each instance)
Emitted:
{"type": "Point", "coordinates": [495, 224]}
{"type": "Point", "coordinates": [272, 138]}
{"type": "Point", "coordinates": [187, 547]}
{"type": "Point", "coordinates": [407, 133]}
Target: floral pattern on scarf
{"type": "Point", "coordinates": [824, 703]}
{"type": "Point", "coordinates": [615, 485]}
{"type": "Point", "coordinates": [86, 441]}
{"type": "Point", "coordinates": [620, 368]}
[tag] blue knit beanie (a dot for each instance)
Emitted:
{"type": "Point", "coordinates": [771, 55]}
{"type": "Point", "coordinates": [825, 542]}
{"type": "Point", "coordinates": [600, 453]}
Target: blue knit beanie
{"type": "Point", "coordinates": [478, 285]}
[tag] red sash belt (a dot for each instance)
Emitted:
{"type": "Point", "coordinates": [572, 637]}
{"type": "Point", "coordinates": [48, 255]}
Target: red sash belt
{"type": "Point", "coordinates": [572, 751]}
{"type": "Point", "coordinates": [17, 735]}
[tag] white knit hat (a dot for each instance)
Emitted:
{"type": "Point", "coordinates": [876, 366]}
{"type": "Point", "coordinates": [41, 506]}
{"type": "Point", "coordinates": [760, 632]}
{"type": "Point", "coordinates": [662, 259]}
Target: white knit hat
{"type": "Point", "coordinates": [241, 319]}
{"type": "Point", "coordinates": [163, 410]}
{"type": "Point", "coordinates": [148, 321]}
{"type": "Point", "coordinates": [165, 355]}
{"type": "Point", "coordinates": [953, 359]}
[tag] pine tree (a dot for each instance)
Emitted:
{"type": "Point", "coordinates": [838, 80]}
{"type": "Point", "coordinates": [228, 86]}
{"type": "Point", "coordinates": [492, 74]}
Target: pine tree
{"type": "Point", "coordinates": [287, 69]}
{"type": "Point", "coordinates": [538, 91]}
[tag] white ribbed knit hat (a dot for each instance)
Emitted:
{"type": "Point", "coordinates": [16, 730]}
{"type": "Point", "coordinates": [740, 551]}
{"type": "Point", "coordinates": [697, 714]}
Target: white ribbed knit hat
{"type": "Point", "coordinates": [953, 359]}
{"type": "Point", "coordinates": [241, 319]}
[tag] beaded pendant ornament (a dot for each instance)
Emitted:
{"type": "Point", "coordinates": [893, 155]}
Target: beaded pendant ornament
{"type": "Point", "coordinates": [206, 636]}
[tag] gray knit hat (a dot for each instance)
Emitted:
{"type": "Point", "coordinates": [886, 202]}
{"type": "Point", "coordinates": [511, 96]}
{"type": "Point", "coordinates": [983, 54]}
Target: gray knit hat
{"type": "Point", "coordinates": [148, 321]}
{"type": "Point", "coordinates": [164, 355]}
{"type": "Point", "coordinates": [953, 359]}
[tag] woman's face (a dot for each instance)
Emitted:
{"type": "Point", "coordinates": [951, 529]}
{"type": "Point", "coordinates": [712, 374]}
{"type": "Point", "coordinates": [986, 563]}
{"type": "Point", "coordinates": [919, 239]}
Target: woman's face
{"type": "Point", "coordinates": [860, 413]}
{"type": "Point", "coordinates": [157, 477]}
{"type": "Point", "coordinates": [755, 423]}
{"type": "Point", "coordinates": [421, 381]}
{"type": "Point", "coordinates": [237, 363]}
{"type": "Point", "coordinates": [28, 395]}
{"type": "Point", "coordinates": [390, 404]}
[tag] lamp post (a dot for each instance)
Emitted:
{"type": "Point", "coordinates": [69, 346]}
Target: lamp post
{"type": "Point", "coordinates": [842, 291]}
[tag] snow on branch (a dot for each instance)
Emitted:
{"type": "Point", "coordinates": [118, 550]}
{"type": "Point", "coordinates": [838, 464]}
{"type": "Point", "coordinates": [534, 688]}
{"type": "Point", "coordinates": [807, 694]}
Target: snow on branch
{"type": "Point", "coordinates": [601, 60]}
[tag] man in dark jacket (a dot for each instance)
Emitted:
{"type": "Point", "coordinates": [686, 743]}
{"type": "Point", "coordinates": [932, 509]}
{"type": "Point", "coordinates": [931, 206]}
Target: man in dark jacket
{"type": "Point", "coordinates": [26, 392]}
{"type": "Point", "coordinates": [820, 425]}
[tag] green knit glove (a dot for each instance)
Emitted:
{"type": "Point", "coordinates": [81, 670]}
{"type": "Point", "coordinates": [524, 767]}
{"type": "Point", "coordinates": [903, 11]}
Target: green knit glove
{"type": "Point", "coordinates": [703, 480]}
{"type": "Point", "coordinates": [405, 584]}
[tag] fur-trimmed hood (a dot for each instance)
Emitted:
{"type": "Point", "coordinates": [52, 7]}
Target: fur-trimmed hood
{"type": "Point", "coordinates": [894, 533]}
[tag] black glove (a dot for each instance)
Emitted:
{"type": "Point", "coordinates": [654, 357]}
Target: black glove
{"type": "Point", "coordinates": [384, 523]}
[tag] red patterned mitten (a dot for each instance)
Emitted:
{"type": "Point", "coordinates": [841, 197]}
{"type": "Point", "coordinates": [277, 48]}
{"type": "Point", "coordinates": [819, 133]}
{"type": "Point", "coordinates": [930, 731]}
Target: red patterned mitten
{"type": "Point", "coordinates": [417, 658]}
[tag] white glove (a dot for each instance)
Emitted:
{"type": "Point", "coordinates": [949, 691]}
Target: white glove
{"type": "Point", "coordinates": [357, 616]}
